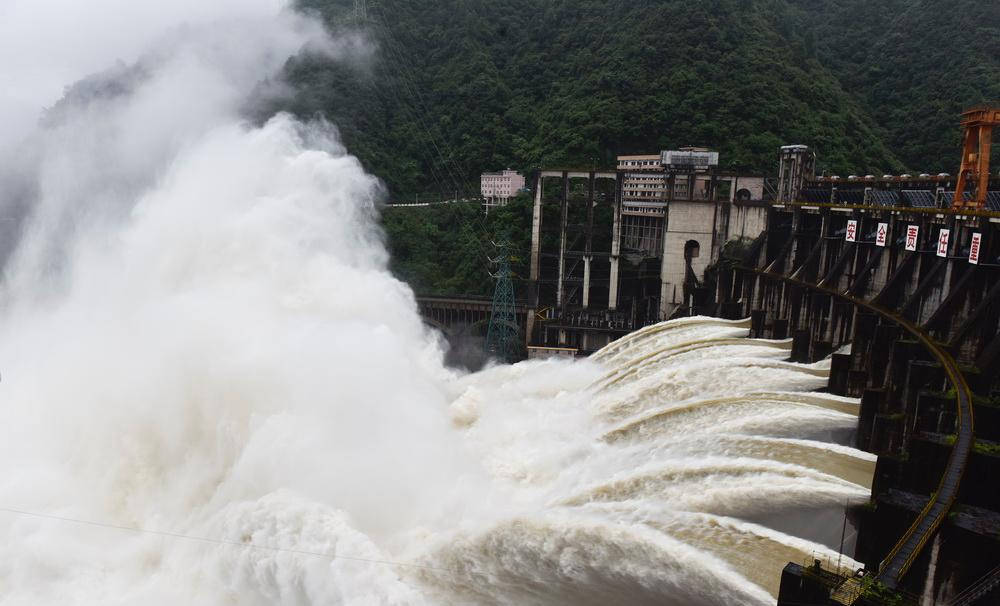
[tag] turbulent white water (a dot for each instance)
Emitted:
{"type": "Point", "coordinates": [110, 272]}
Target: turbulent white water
{"type": "Point", "coordinates": [215, 393]}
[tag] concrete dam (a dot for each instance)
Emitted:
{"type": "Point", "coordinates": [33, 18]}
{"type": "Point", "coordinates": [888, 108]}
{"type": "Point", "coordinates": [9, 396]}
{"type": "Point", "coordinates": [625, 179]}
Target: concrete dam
{"type": "Point", "coordinates": [892, 280]}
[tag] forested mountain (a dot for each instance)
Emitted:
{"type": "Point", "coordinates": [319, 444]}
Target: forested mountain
{"type": "Point", "coordinates": [914, 65]}
{"type": "Point", "coordinates": [455, 87]}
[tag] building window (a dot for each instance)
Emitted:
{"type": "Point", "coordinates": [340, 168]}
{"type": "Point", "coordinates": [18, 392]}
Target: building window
{"type": "Point", "coordinates": [691, 250]}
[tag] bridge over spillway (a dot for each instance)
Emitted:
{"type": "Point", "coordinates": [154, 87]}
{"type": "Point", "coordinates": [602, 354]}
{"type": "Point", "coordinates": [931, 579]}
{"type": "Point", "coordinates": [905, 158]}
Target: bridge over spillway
{"type": "Point", "coordinates": [464, 315]}
{"type": "Point", "coordinates": [463, 321]}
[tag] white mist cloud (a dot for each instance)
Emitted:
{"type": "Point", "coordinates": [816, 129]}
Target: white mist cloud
{"type": "Point", "coordinates": [198, 332]}
{"type": "Point", "coordinates": [93, 151]}
{"type": "Point", "coordinates": [49, 44]}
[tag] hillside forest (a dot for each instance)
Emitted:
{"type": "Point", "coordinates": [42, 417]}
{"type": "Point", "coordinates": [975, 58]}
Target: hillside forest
{"type": "Point", "coordinates": [453, 88]}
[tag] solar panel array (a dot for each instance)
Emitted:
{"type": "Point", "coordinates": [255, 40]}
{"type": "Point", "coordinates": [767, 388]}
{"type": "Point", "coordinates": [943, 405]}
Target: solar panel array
{"type": "Point", "coordinates": [885, 198]}
{"type": "Point", "coordinates": [993, 200]}
{"type": "Point", "coordinates": [916, 198]}
{"type": "Point", "coordinates": [948, 197]}
{"type": "Point", "coordinates": [815, 195]}
{"type": "Point", "coordinates": [851, 196]}
{"type": "Point", "coordinates": [919, 198]}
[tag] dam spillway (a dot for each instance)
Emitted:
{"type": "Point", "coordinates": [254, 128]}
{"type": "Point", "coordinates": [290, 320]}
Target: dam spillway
{"type": "Point", "coordinates": [691, 479]}
{"type": "Point", "coordinates": [711, 466]}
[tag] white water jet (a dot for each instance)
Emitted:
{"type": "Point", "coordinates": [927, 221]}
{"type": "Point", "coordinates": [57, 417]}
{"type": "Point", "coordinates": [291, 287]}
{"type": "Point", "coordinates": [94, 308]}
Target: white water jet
{"type": "Point", "coordinates": [214, 392]}
{"type": "Point", "coordinates": [927, 596]}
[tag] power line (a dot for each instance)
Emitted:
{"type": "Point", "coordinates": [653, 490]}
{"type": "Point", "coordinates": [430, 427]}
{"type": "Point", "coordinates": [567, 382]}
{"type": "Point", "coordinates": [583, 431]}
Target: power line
{"type": "Point", "coordinates": [416, 90]}
{"type": "Point", "coordinates": [454, 172]}
{"type": "Point", "coordinates": [404, 108]}
{"type": "Point", "coordinates": [406, 86]}
{"type": "Point", "coordinates": [399, 55]}
{"type": "Point", "coordinates": [395, 91]}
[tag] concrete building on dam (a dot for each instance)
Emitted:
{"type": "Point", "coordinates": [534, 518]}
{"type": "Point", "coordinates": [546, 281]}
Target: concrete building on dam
{"type": "Point", "coordinates": [613, 251]}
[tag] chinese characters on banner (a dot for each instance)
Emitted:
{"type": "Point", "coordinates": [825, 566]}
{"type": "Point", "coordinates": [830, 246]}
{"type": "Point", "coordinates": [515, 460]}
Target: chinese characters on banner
{"type": "Point", "coordinates": [977, 241]}
{"type": "Point", "coordinates": [852, 231]}
{"type": "Point", "coordinates": [911, 237]}
{"type": "Point", "coordinates": [942, 250]}
{"type": "Point", "coordinates": [881, 234]}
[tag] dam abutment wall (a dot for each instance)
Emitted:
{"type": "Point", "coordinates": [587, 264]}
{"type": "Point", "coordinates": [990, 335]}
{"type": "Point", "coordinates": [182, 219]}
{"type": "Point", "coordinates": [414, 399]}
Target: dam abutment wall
{"type": "Point", "coordinates": [905, 303]}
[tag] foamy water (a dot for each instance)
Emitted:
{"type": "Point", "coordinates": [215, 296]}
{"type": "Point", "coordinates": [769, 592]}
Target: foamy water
{"type": "Point", "coordinates": [215, 393]}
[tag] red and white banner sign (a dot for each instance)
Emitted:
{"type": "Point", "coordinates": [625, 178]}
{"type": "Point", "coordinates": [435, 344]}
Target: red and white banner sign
{"type": "Point", "coordinates": [911, 237]}
{"type": "Point", "coordinates": [881, 234]}
{"type": "Point", "coordinates": [942, 250]}
{"type": "Point", "coordinates": [977, 242]}
{"type": "Point", "coordinates": [852, 231]}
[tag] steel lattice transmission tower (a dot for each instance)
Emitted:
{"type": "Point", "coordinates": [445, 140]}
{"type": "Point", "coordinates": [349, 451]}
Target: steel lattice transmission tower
{"type": "Point", "coordinates": [360, 10]}
{"type": "Point", "coordinates": [502, 335]}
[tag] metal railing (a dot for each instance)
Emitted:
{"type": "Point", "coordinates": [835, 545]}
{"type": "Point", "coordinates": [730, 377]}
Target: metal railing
{"type": "Point", "coordinates": [847, 586]}
{"type": "Point", "coordinates": [979, 589]}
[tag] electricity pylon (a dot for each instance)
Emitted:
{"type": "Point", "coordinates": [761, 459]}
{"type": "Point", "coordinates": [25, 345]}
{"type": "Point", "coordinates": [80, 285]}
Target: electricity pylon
{"type": "Point", "coordinates": [360, 10]}
{"type": "Point", "coordinates": [502, 335]}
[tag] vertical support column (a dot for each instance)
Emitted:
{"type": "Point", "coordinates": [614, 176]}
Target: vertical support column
{"type": "Point", "coordinates": [985, 147]}
{"type": "Point", "coordinates": [587, 257]}
{"type": "Point", "coordinates": [953, 249]}
{"type": "Point", "coordinates": [885, 262]}
{"type": "Point", "coordinates": [666, 298]}
{"type": "Point", "coordinates": [717, 236]}
{"type": "Point", "coordinates": [536, 227]}
{"type": "Point", "coordinates": [824, 251]}
{"type": "Point", "coordinates": [562, 238]}
{"type": "Point", "coordinates": [856, 264]}
{"type": "Point", "coordinates": [665, 295]}
{"type": "Point", "coordinates": [592, 185]}
{"type": "Point", "coordinates": [968, 149]}
{"type": "Point", "coordinates": [832, 321]}
{"type": "Point", "coordinates": [918, 268]}
{"type": "Point", "coordinates": [616, 230]}
{"type": "Point", "coordinates": [756, 300]}
{"type": "Point", "coordinates": [796, 253]}
{"type": "Point", "coordinates": [723, 212]}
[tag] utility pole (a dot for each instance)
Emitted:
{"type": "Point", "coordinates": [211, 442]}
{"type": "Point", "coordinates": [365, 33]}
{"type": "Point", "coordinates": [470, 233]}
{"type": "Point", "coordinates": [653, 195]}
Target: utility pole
{"type": "Point", "coordinates": [502, 336]}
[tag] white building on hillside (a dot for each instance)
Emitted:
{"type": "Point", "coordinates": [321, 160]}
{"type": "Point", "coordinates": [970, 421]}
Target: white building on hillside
{"type": "Point", "coordinates": [498, 188]}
